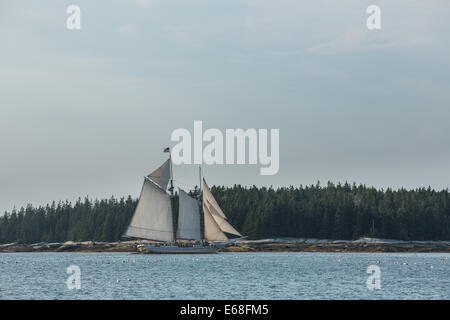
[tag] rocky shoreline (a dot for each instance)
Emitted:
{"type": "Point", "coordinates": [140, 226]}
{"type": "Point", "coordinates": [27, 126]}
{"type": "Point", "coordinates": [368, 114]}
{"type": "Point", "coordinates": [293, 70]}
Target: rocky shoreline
{"type": "Point", "coordinates": [265, 245]}
{"type": "Point", "coordinates": [360, 245]}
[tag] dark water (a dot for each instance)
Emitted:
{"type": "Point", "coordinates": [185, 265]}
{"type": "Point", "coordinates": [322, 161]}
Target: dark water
{"type": "Point", "coordinates": [224, 276]}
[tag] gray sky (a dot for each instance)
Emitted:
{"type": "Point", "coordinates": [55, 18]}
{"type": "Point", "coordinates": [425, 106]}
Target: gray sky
{"type": "Point", "coordinates": [88, 112]}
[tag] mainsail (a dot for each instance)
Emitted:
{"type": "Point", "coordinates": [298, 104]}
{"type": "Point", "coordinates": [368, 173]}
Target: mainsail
{"type": "Point", "coordinates": [152, 218]}
{"type": "Point", "coordinates": [188, 218]}
{"type": "Point", "coordinates": [215, 220]}
{"type": "Point", "coordinates": [161, 176]}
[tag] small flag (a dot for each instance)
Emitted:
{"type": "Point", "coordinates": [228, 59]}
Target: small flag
{"type": "Point", "coordinates": [167, 149]}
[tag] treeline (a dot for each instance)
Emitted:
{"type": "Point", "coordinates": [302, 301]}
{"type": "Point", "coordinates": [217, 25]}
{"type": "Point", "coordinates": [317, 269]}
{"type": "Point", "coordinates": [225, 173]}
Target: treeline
{"type": "Point", "coordinates": [341, 211]}
{"type": "Point", "coordinates": [99, 220]}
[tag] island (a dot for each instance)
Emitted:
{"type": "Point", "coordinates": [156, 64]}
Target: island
{"type": "Point", "coordinates": [263, 245]}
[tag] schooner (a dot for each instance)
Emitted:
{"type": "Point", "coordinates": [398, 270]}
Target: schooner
{"type": "Point", "coordinates": [154, 220]}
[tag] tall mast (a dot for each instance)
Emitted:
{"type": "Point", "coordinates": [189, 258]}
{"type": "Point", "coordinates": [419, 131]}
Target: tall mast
{"type": "Point", "coordinates": [200, 178]}
{"type": "Point", "coordinates": [174, 215]}
{"type": "Point", "coordinates": [171, 174]}
{"type": "Point", "coordinates": [200, 196]}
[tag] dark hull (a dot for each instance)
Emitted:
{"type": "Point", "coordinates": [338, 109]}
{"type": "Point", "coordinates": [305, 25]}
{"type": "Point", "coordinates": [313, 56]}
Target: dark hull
{"type": "Point", "coordinates": [180, 250]}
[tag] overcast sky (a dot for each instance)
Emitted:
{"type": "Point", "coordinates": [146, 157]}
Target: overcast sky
{"type": "Point", "coordinates": [88, 112]}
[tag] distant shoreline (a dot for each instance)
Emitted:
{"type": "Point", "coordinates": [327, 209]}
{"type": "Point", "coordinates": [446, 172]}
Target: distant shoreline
{"type": "Point", "coordinates": [265, 245]}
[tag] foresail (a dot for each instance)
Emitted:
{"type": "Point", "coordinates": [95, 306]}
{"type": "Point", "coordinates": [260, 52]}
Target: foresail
{"type": "Point", "coordinates": [212, 229]}
{"type": "Point", "coordinates": [225, 226]}
{"type": "Point", "coordinates": [152, 218]}
{"type": "Point", "coordinates": [211, 202]}
{"type": "Point", "coordinates": [188, 218]}
{"type": "Point", "coordinates": [161, 176]}
{"type": "Point", "coordinates": [216, 212]}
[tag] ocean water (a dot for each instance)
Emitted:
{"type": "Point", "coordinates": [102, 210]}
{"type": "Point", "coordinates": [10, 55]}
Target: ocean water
{"type": "Point", "coordinates": [287, 275]}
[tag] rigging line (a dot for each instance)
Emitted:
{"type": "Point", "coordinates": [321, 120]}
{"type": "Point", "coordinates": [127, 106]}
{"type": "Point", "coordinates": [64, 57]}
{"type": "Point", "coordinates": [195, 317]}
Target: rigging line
{"type": "Point", "coordinates": [186, 184]}
{"type": "Point", "coordinates": [182, 175]}
{"type": "Point", "coordinates": [190, 187]}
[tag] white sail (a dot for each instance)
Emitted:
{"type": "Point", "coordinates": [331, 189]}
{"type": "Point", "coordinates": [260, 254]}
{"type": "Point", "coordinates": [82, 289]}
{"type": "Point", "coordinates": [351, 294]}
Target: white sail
{"type": "Point", "coordinates": [152, 218]}
{"type": "Point", "coordinates": [210, 201]}
{"type": "Point", "coordinates": [188, 218]}
{"type": "Point", "coordinates": [212, 230]}
{"type": "Point", "coordinates": [213, 212]}
{"type": "Point", "coordinates": [224, 225]}
{"type": "Point", "coordinates": [161, 176]}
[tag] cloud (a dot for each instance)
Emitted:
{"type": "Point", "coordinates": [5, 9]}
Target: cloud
{"type": "Point", "coordinates": [344, 42]}
{"type": "Point", "coordinates": [364, 40]}
{"type": "Point", "coordinates": [127, 29]}
{"type": "Point", "coordinates": [146, 3]}
{"type": "Point", "coordinates": [404, 26]}
{"type": "Point", "coordinates": [284, 53]}
{"type": "Point", "coordinates": [183, 35]}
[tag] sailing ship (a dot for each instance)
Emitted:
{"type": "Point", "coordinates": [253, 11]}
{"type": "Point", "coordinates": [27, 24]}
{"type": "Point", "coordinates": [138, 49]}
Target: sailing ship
{"type": "Point", "coordinates": [154, 220]}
